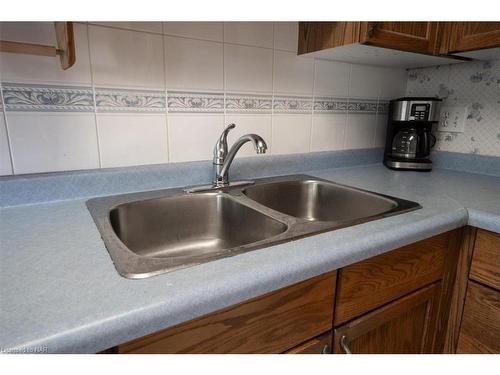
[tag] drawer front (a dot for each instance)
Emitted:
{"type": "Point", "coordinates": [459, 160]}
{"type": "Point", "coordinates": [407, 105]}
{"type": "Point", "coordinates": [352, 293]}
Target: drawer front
{"type": "Point", "coordinates": [485, 267]}
{"type": "Point", "coordinates": [480, 330]}
{"type": "Point", "coordinates": [318, 345]}
{"type": "Point", "coordinates": [371, 283]}
{"type": "Point", "coordinates": [272, 323]}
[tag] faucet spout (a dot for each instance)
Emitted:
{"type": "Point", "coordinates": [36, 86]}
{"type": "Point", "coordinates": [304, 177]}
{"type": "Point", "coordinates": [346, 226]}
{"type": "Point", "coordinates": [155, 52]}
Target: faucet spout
{"type": "Point", "coordinates": [222, 175]}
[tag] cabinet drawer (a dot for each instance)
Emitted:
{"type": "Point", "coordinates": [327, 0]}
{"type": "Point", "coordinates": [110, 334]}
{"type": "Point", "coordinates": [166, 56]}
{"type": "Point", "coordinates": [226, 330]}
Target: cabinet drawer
{"type": "Point", "coordinates": [371, 283]}
{"type": "Point", "coordinates": [480, 330]}
{"type": "Point", "coordinates": [272, 323]}
{"type": "Point", "coordinates": [485, 267]}
{"type": "Point", "coordinates": [318, 345]}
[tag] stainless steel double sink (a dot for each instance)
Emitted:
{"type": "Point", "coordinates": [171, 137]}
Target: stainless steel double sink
{"type": "Point", "coordinates": [160, 231]}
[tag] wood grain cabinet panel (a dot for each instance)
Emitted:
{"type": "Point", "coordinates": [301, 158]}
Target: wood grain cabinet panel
{"type": "Point", "coordinates": [485, 266]}
{"type": "Point", "coordinates": [272, 323]}
{"type": "Point", "coordinates": [405, 326]}
{"type": "Point", "coordinates": [480, 330]}
{"type": "Point", "coordinates": [319, 345]}
{"type": "Point", "coordinates": [420, 37]}
{"type": "Point", "coordinates": [471, 36]}
{"type": "Point", "coordinates": [371, 283]}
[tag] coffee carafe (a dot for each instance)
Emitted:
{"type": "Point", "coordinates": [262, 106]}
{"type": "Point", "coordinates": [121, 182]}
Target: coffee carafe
{"type": "Point", "coordinates": [409, 138]}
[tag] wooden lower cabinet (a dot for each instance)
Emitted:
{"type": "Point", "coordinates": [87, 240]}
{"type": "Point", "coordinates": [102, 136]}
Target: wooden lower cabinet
{"type": "Point", "coordinates": [272, 323]}
{"type": "Point", "coordinates": [397, 302]}
{"type": "Point", "coordinates": [480, 330]}
{"type": "Point", "coordinates": [406, 325]}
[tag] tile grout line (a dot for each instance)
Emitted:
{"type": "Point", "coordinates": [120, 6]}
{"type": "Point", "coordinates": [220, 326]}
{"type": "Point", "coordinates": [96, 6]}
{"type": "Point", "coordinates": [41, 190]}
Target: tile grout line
{"type": "Point", "coordinates": [92, 85]}
{"type": "Point", "coordinates": [165, 91]}
{"type": "Point", "coordinates": [346, 127]}
{"type": "Point", "coordinates": [271, 152]}
{"type": "Point", "coordinates": [312, 105]}
{"type": "Point", "coordinates": [9, 145]}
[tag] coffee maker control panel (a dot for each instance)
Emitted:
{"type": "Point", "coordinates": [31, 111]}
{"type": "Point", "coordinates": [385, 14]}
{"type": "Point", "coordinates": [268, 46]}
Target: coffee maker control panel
{"type": "Point", "coordinates": [419, 112]}
{"type": "Point", "coordinates": [415, 109]}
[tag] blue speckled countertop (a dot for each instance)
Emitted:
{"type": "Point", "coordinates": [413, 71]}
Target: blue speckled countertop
{"type": "Point", "coordinates": [60, 290]}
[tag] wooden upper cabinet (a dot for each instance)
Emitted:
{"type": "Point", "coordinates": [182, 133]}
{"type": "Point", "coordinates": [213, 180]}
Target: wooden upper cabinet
{"type": "Point", "coordinates": [420, 37]}
{"type": "Point", "coordinates": [471, 36]}
{"type": "Point", "coordinates": [405, 326]}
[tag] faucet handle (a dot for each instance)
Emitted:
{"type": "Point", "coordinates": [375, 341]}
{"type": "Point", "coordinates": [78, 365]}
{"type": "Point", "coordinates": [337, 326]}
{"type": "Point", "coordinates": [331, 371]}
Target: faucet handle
{"type": "Point", "coordinates": [227, 130]}
{"type": "Point", "coordinates": [221, 149]}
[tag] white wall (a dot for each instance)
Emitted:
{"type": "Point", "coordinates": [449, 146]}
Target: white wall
{"type": "Point", "coordinates": [151, 92]}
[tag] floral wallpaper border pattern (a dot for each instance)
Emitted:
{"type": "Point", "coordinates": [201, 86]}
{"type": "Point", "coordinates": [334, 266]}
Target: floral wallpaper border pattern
{"type": "Point", "coordinates": [46, 98]}
{"type": "Point", "coordinates": [474, 85]}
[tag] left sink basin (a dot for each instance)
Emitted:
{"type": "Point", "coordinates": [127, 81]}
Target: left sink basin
{"type": "Point", "coordinates": [155, 232]}
{"type": "Point", "coordinates": [190, 225]}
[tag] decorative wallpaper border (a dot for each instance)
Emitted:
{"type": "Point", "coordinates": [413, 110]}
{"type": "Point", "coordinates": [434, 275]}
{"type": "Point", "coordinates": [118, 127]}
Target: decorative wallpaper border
{"type": "Point", "coordinates": [38, 98]}
{"type": "Point", "coordinates": [179, 101]}
{"type": "Point", "coordinates": [245, 103]}
{"type": "Point", "coordinates": [48, 98]}
{"type": "Point", "coordinates": [292, 104]}
{"type": "Point", "coordinates": [110, 100]}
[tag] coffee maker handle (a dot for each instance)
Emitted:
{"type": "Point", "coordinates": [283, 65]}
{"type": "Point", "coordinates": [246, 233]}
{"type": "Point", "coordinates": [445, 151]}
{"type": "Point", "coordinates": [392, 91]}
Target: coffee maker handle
{"type": "Point", "coordinates": [433, 137]}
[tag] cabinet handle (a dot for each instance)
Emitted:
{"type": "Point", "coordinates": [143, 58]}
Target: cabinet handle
{"type": "Point", "coordinates": [371, 30]}
{"type": "Point", "coordinates": [326, 349]}
{"type": "Point", "coordinates": [344, 345]}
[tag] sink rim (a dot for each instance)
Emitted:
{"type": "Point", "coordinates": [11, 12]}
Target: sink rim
{"type": "Point", "coordinates": [134, 266]}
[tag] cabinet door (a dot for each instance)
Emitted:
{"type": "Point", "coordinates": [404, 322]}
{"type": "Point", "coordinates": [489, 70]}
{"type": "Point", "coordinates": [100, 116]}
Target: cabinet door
{"type": "Point", "coordinates": [420, 37]}
{"type": "Point", "coordinates": [470, 36]}
{"type": "Point", "coordinates": [480, 329]}
{"type": "Point", "coordinates": [405, 326]}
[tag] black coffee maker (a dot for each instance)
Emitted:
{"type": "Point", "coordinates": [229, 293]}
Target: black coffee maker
{"type": "Point", "coordinates": [409, 139]}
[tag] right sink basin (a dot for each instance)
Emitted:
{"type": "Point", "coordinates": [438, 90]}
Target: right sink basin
{"type": "Point", "coordinates": [316, 200]}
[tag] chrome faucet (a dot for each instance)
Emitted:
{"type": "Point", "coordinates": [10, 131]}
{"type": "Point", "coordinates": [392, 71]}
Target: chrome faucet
{"type": "Point", "coordinates": [223, 158]}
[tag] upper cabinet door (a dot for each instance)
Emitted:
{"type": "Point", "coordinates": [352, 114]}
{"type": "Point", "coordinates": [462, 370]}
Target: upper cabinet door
{"type": "Point", "coordinates": [470, 36]}
{"type": "Point", "coordinates": [420, 37]}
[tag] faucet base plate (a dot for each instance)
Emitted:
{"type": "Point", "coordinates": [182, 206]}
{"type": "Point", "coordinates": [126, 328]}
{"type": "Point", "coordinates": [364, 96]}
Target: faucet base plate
{"type": "Point", "coordinates": [200, 188]}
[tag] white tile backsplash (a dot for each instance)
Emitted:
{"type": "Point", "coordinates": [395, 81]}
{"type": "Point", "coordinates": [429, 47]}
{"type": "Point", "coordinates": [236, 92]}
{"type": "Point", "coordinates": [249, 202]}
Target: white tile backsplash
{"type": "Point", "coordinates": [122, 58]}
{"type": "Point", "coordinates": [292, 74]}
{"type": "Point", "coordinates": [132, 139]}
{"type": "Point", "coordinates": [48, 142]}
{"type": "Point", "coordinates": [360, 131]}
{"type": "Point", "coordinates": [328, 132]}
{"type": "Point", "coordinates": [194, 64]}
{"type": "Point", "coordinates": [376, 82]}
{"type": "Point", "coordinates": [258, 34]}
{"type": "Point", "coordinates": [248, 69]}
{"type": "Point", "coordinates": [286, 36]}
{"type": "Point", "coordinates": [192, 136]}
{"type": "Point", "coordinates": [381, 130]}
{"type": "Point", "coordinates": [197, 30]}
{"type": "Point", "coordinates": [41, 69]}
{"type": "Point", "coordinates": [331, 78]}
{"type": "Point", "coordinates": [5, 164]}
{"type": "Point", "coordinates": [209, 73]}
{"type": "Point", "coordinates": [291, 134]}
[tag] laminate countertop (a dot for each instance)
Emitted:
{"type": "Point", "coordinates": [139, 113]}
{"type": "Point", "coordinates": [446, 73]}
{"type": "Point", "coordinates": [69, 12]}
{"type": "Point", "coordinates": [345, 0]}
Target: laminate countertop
{"type": "Point", "coordinates": [60, 292]}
